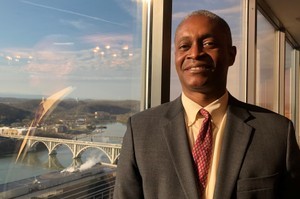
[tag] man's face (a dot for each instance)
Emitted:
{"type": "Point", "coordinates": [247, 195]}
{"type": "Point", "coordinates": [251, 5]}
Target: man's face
{"type": "Point", "coordinates": [203, 53]}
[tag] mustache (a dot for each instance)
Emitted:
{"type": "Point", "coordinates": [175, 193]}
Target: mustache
{"type": "Point", "coordinates": [211, 66]}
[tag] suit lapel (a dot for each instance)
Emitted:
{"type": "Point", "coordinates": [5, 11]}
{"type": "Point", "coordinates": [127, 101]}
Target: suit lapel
{"type": "Point", "coordinates": [175, 136]}
{"type": "Point", "coordinates": [235, 141]}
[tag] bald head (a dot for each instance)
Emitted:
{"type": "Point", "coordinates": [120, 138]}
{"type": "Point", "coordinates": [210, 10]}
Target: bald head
{"type": "Point", "coordinates": [214, 19]}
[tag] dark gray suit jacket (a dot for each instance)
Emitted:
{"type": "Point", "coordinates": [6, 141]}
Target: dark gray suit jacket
{"type": "Point", "coordinates": [259, 157]}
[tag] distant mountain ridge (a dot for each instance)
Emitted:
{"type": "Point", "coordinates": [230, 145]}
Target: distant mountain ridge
{"type": "Point", "coordinates": [22, 96]}
{"type": "Point", "coordinates": [16, 109]}
{"type": "Point", "coordinates": [10, 114]}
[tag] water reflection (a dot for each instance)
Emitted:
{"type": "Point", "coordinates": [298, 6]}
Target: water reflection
{"type": "Point", "coordinates": [41, 159]}
{"type": "Point", "coordinates": [32, 158]}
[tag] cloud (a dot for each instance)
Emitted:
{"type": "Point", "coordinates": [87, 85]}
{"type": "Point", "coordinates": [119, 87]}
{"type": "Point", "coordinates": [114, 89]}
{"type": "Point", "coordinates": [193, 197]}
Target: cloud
{"type": "Point", "coordinates": [51, 63]}
{"type": "Point", "coordinates": [236, 9]}
{"type": "Point", "coordinates": [63, 43]}
{"type": "Point", "coordinates": [58, 56]}
{"type": "Point", "coordinates": [77, 24]}
{"type": "Point", "coordinates": [72, 13]}
{"type": "Point", "coordinates": [109, 39]}
{"type": "Point", "coordinates": [180, 15]}
{"type": "Point", "coordinates": [129, 6]}
{"type": "Point", "coordinates": [229, 11]}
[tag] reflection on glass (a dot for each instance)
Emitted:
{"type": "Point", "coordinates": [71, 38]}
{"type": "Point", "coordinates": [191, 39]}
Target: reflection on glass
{"type": "Point", "coordinates": [45, 107]}
{"type": "Point", "coordinates": [232, 12]}
{"type": "Point", "coordinates": [288, 86]}
{"type": "Point", "coordinates": [265, 81]}
{"type": "Point", "coordinates": [94, 49]}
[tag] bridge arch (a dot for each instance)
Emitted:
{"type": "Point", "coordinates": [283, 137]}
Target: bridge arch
{"type": "Point", "coordinates": [36, 142]}
{"type": "Point", "coordinates": [79, 152]}
{"type": "Point", "coordinates": [56, 145]}
{"type": "Point", "coordinates": [115, 161]}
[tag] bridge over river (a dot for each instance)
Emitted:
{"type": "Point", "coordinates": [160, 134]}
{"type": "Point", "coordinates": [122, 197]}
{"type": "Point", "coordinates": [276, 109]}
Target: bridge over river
{"type": "Point", "coordinates": [77, 147]}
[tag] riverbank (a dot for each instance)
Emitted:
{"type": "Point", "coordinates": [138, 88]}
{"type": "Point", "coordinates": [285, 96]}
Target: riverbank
{"type": "Point", "coordinates": [9, 146]}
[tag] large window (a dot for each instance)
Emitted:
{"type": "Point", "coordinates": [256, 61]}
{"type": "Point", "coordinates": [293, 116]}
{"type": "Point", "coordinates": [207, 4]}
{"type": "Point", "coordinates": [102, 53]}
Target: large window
{"type": "Point", "coordinates": [232, 12]}
{"type": "Point", "coordinates": [73, 71]}
{"type": "Point", "coordinates": [289, 71]}
{"type": "Point", "coordinates": [266, 64]}
{"type": "Point", "coordinates": [77, 61]}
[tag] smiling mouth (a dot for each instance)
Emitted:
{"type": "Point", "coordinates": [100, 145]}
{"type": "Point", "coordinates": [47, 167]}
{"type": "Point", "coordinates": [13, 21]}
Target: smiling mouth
{"type": "Point", "coordinates": [200, 68]}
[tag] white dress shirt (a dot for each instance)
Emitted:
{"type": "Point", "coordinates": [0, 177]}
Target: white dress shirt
{"type": "Point", "coordinates": [217, 110]}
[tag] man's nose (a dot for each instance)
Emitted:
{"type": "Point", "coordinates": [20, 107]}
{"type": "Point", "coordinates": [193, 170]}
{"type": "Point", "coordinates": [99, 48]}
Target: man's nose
{"type": "Point", "coordinates": [196, 50]}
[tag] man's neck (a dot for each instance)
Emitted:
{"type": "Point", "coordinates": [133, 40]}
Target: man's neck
{"type": "Point", "coordinates": [203, 99]}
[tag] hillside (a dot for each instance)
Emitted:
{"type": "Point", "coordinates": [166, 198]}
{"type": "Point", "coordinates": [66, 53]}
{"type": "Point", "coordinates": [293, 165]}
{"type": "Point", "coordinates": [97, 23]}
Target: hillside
{"type": "Point", "coordinates": [10, 114]}
{"type": "Point", "coordinates": [91, 106]}
{"type": "Point", "coordinates": [14, 110]}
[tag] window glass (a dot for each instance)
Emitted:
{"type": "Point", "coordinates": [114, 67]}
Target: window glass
{"type": "Point", "coordinates": [266, 55]}
{"type": "Point", "coordinates": [232, 12]}
{"type": "Point", "coordinates": [68, 70]}
{"type": "Point", "coordinates": [297, 91]}
{"type": "Point", "coordinates": [288, 81]}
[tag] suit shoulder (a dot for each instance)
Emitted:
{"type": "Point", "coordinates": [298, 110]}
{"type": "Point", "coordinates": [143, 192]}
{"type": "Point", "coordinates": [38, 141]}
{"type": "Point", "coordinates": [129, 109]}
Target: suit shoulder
{"type": "Point", "coordinates": [167, 109]}
{"type": "Point", "coordinates": [259, 111]}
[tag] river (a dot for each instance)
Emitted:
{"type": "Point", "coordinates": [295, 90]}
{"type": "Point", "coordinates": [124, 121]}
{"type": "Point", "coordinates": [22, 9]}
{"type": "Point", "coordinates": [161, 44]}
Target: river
{"type": "Point", "coordinates": [37, 163]}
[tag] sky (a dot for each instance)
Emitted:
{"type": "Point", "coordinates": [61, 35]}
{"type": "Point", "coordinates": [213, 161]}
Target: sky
{"type": "Point", "coordinates": [93, 46]}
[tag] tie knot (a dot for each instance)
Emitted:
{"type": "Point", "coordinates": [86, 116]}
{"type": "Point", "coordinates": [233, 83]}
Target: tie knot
{"type": "Point", "coordinates": [204, 113]}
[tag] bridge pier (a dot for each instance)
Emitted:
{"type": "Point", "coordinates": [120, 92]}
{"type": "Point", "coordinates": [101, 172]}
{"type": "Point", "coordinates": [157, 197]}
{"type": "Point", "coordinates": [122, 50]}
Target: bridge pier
{"type": "Point", "coordinates": [53, 162]}
{"type": "Point", "coordinates": [30, 146]}
{"type": "Point", "coordinates": [52, 153]}
{"type": "Point", "coordinates": [76, 162]}
{"type": "Point", "coordinates": [75, 152]}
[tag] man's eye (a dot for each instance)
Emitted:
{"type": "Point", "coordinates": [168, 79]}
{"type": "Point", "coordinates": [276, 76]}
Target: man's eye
{"type": "Point", "coordinates": [209, 44]}
{"type": "Point", "coordinates": [184, 47]}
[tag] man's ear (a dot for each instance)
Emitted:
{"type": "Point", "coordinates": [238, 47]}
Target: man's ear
{"type": "Point", "coordinates": [232, 54]}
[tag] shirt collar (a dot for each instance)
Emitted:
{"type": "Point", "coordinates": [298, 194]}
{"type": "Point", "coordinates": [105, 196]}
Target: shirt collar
{"type": "Point", "coordinates": [217, 109]}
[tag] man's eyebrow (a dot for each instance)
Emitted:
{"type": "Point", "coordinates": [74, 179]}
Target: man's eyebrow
{"type": "Point", "coordinates": [208, 35]}
{"type": "Point", "coordinates": [182, 38]}
{"type": "Point", "coordinates": [205, 36]}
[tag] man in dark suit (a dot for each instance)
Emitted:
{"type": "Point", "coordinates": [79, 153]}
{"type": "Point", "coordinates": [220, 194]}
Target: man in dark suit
{"type": "Point", "coordinates": [254, 152]}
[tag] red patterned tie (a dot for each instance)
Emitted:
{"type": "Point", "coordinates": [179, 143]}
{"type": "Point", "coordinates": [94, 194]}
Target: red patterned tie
{"type": "Point", "coordinates": [202, 149]}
